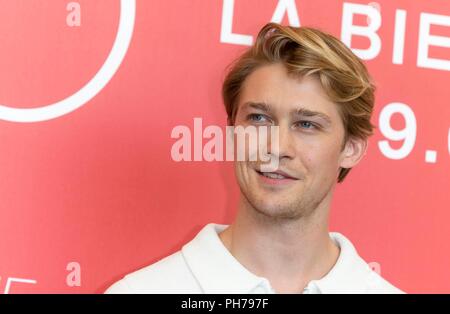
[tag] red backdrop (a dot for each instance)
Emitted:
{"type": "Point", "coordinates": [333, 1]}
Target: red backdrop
{"type": "Point", "coordinates": [91, 90]}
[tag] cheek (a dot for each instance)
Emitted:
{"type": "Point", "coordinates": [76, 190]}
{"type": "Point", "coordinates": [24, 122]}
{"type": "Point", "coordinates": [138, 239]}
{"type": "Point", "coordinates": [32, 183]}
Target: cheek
{"type": "Point", "coordinates": [242, 171]}
{"type": "Point", "coordinates": [320, 158]}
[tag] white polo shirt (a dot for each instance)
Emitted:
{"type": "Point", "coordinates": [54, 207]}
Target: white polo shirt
{"type": "Point", "coordinates": [204, 265]}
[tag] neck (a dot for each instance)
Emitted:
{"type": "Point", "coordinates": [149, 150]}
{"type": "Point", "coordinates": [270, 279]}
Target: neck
{"type": "Point", "coordinates": [288, 253]}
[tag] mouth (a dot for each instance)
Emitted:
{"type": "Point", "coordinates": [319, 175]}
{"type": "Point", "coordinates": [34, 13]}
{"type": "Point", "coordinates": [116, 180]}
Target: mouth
{"type": "Point", "coordinates": [276, 177]}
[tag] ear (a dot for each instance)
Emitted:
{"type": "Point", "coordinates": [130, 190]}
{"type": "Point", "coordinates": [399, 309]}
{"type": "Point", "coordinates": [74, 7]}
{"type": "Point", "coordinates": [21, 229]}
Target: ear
{"type": "Point", "coordinates": [354, 151]}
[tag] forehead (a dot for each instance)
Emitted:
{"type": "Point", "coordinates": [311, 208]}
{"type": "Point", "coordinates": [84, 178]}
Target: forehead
{"type": "Point", "coordinates": [272, 85]}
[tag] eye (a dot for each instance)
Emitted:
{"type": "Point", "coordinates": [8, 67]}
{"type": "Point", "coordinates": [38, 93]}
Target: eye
{"type": "Point", "coordinates": [256, 117]}
{"type": "Point", "coordinates": [308, 124]}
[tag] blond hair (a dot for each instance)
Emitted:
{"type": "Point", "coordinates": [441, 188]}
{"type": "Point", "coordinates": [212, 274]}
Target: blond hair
{"type": "Point", "coordinates": [305, 51]}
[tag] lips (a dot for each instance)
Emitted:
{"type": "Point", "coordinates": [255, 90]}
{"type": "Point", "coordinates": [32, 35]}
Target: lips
{"type": "Point", "coordinates": [279, 174]}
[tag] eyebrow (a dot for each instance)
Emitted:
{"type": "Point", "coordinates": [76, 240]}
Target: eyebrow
{"type": "Point", "coordinates": [299, 111]}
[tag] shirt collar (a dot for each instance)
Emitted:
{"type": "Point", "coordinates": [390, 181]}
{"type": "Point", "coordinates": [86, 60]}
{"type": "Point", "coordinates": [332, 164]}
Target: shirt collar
{"type": "Point", "coordinates": [214, 267]}
{"type": "Point", "coordinates": [218, 271]}
{"type": "Point", "coordinates": [350, 273]}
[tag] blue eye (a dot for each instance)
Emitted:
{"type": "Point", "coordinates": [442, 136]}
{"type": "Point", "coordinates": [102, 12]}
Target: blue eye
{"type": "Point", "coordinates": [256, 117]}
{"type": "Point", "coordinates": [308, 123]}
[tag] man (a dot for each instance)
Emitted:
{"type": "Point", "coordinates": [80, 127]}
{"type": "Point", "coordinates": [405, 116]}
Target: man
{"type": "Point", "coordinates": [320, 96]}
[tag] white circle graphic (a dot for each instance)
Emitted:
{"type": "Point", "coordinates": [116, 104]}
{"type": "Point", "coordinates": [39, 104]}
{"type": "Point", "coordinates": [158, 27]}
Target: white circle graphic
{"type": "Point", "coordinates": [93, 87]}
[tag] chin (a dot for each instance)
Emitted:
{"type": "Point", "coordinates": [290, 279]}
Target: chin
{"type": "Point", "coordinates": [279, 213]}
{"type": "Point", "coordinates": [276, 207]}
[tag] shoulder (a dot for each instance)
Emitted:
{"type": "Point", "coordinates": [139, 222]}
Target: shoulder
{"type": "Point", "coordinates": [168, 275]}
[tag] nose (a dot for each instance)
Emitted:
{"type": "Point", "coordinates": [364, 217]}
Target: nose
{"type": "Point", "coordinates": [281, 142]}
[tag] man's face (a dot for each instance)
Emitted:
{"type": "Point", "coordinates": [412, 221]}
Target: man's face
{"type": "Point", "coordinates": [309, 146]}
